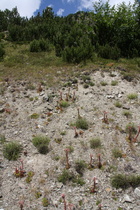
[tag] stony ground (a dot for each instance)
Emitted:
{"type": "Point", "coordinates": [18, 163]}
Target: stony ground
{"type": "Point", "coordinates": [92, 94]}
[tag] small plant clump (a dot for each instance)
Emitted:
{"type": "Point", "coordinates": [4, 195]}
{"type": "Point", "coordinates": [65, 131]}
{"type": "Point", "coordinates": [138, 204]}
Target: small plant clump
{"type": "Point", "coordinates": [29, 176]}
{"type": "Point", "coordinates": [105, 118]}
{"type": "Point", "coordinates": [125, 181]}
{"type": "Point", "coordinates": [95, 143]}
{"type": "Point", "coordinates": [19, 172]}
{"type": "Point", "coordinates": [65, 176]}
{"type": "Point", "coordinates": [132, 96]}
{"type": "Point", "coordinates": [117, 153]}
{"type": "Point", "coordinates": [82, 123]}
{"type": "Point", "coordinates": [12, 150]}
{"type": "Point", "coordinates": [41, 143]}
{"type": "Point", "coordinates": [63, 104]}
{"type": "Point", "coordinates": [34, 116]}
{"type": "Point", "coordinates": [114, 83]}
{"type": "Point", "coordinates": [131, 130]}
{"type": "Point", "coordinates": [127, 114]}
{"type": "Point", "coordinates": [103, 83]}
{"type": "Point", "coordinates": [118, 104]}
{"type": "Point", "coordinates": [45, 202]}
{"type": "Point", "coordinates": [80, 166]}
{"type": "Point", "coordinates": [2, 139]}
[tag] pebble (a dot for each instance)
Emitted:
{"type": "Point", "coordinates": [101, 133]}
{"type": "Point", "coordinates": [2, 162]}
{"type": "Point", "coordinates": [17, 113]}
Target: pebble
{"type": "Point", "coordinates": [127, 199]}
{"type": "Point", "coordinates": [137, 192]}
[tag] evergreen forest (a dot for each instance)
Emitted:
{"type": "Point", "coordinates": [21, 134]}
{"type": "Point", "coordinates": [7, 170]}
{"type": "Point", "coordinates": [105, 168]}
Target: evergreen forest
{"type": "Point", "coordinates": [107, 31]}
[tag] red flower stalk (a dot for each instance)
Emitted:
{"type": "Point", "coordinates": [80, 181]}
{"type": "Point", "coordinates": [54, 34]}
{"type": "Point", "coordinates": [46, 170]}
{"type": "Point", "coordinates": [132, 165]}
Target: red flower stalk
{"type": "Point", "coordinates": [100, 206]}
{"type": "Point", "coordinates": [99, 159]}
{"type": "Point", "coordinates": [105, 118]}
{"type": "Point", "coordinates": [76, 134]}
{"type": "Point", "coordinates": [130, 133]}
{"type": "Point", "coordinates": [67, 97]}
{"type": "Point", "coordinates": [19, 172]}
{"type": "Point", "coordinates": [78, 113]}
{"type": "Point", "coordinates": [135, 138]}
{"type": "Point", "coordinates": [21, 164]}
{"type": "Point", "coordinates": [71, 206]}
{"type": "Point", "coordinates": [67, 158]}
{"type": "Point", "coordinates": [90, 163]}
{"type": "Point", "coordinates": [93, 189]}
{"type": "Point", "coordinates": [21, 204]}
{"type": "Point", "coordinates": [60, 96]}
{"type": "Point", "coordinates": [65, 205]}
{"type": "Point", "coordinates": [73, 97]}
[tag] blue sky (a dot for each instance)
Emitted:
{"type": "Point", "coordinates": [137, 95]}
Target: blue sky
{"type": "Point", "coordinates": [27, 8]}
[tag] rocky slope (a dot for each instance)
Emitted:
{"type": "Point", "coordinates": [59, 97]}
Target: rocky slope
{"type": "Point", "coordinates": [28, 110]}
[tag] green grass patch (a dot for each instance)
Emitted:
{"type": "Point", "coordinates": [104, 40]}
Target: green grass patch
{"type": "Point", "coordinates": [41, 143]}
{"type": "Point", "coordinates": [95, 143]}
{"type": "Point", "coordinates": [12, 150]}
{"type": "Point", "coordinates": [125, 181]}
{"type": "Point", "coordinates": [82, 123]}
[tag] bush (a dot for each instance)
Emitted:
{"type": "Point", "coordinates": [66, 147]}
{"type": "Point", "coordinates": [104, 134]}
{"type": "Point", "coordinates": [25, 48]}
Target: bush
{"type": "Point", "coordinates": [132, 96]}
{"type": "Point", "coordinates": [114, 82]}
{"type": "Point", "coordinates": [2, 139]}
{"type": "Point", "coordinates": [35, 46]}
{"type": "Point", "coordinates": [123, 181]}
{"type": "Point", "coordinates": [64, 104]}
{"type": "Point", "coordinates": [2, 52]}
{"type": "Point", "coordinates": [109, 52]}
{"type": "Point", "coordinates": [82, 123]}
{"type": "Point", "coordinates": [41, 143]}
{"type": "Point", "coordinates": [131, 127]}
{"type": "Point", "coordinates": [65, 176]}
{"type": "Point", "coordinates": [118, 104]}
{"type": "Point", "coordinates": [45, 202]}
{"type": "Point", "coordinates": [127, 114]}
{"type": "Point", "coordinates": [117, 153]}
{"type": "Point", "coordinates": [12, 150]}
{"type": "Point", "coordinates": [40, 45]}
{"type": "Point", "coordinates": [95, 143]}
{"type": "Point", "coordinates": [80, 166]}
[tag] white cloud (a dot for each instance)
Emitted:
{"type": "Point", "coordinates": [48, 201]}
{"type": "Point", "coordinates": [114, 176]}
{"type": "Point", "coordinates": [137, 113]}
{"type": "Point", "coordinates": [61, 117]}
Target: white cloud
{"type": "Point", "coordinates": [51, 5]}
{"type": "Point", "coordinates": [88, 4]}
{"type": "Point", "coordinates": [60, 12]}
{"type": "Point", "coordinates": [115, 2]}
{"type": "Point", "coordinates": [25, 7]}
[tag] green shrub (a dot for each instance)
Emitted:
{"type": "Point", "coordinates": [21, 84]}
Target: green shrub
{"type": "Point", "coordinates": [12, 150]}
{"type": "Point", "coordinates": [80, 166]}
{"type": "Point", "coordinates": [124, 181]}
{"type": "Point", "coordinates": [2, 139]}
{"type": "Point", "coordinates": [35, 46]}
{"type": "Point", "coordinates": [41, 143]}
{"type": "Point", "coordinates": [29, 176]}
{"type": "Point", "coordinates": [117, 153]}
{"type": "Point", "coordinates": [103, 83]}
{"type": "Point", "coordinates": [109, 52]}
{"type": "Point", "coordinates": [86, 86]}
{"type": "Point", "coordinates": [114, 82]}
{"type": "Point", "coordinates": [64, 104]}
{"type": "Point", "coordinates": [82, 123]}
{"type": "Point", "coordinates": [95, 143]}
{"type": "Point", "coordinates": [132, 96]}
{"type": "Point", "coordinates": [2, 52]}
{"type": "Point", "coordinates": [127, 114]}
{"type": "Point", "coordinates": [65, 176]}
{"type": "Point", "coordinates": [118, 104]}
{"type": "Point", "coordinates": [45, 202]}
{"type": "Point", "coordinates": [44, 45]}
{"type": "Point", "coordinates": [132, 127]}
{"type": "Point", "coordinates": [78, 180]}
{"type": "Point", "coordinates": [34, 116]}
